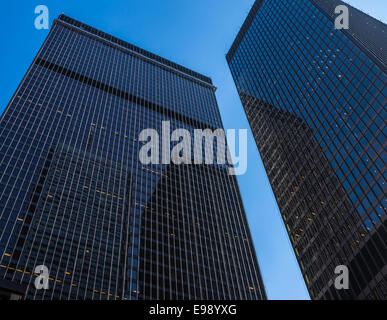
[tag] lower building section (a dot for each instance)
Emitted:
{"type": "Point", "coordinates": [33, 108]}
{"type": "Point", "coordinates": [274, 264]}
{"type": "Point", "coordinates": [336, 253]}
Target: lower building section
{"type": "Point", "coordinates": [11, 290]}
{"type": "Point", "coordinates": [196, 246]}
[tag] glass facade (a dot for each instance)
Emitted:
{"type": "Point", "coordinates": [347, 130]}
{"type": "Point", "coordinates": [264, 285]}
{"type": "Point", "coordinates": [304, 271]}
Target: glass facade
{"type": "Point", "coordinates": [75, 197]}
{"type": "Point", "coordinates": [315, 98]}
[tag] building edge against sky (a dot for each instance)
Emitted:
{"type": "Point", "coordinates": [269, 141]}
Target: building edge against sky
{"type": "Point", "coordinates": [315, 100]}
{"type": "Point", "coordinates": [75, 198]}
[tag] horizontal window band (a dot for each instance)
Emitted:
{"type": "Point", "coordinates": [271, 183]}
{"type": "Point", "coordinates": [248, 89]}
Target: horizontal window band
{"type": "Point", "coordinates": [122, 94]}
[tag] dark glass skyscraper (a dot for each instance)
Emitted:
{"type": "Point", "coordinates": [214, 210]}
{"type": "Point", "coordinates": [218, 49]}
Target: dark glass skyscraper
{"type": "Point", "coordinates": [315, 99]}
{"type": "Point", "coordinates": [75, 197]}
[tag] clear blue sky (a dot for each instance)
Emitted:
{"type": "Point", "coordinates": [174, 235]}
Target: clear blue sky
{"type": "Point", "coordinates": [196, 34]}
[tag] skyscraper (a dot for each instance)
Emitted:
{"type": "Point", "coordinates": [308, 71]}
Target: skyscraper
{"type": "Point", "coordinates": [315, 99]}
{"type": "Point", "coordinates": [75, 198]}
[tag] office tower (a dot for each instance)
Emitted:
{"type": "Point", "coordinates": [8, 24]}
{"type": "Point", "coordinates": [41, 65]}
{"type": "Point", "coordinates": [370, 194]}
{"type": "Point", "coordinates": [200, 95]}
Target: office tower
{"type": "Point", "coordinates": [315, 99]}
{"type": "Point", "coordinates": [75, 197]}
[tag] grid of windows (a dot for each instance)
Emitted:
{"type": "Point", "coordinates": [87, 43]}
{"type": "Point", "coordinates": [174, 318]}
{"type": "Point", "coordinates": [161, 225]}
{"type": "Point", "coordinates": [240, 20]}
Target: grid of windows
{"type": "Point", "coordinates": [74, 197]}
{"type": "Point", "coordinates": [315, 100]}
